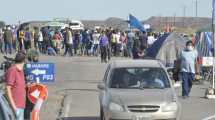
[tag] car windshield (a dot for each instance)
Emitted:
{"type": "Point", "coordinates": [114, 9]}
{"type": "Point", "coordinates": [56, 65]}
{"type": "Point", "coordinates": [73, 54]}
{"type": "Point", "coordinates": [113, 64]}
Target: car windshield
{"type": "Point", "coordinates": [139, 78]}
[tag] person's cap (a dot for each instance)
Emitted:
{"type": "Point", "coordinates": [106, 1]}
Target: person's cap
{"type": "Point", "coordinates": [20, 57]}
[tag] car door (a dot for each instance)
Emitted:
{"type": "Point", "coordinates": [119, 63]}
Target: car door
{"type": "Point", "coordinates": [2, 113]}
{"type": "Point", "coordinates": [105, 79]}
{"type": "Point", "coordinates": [6, 109]}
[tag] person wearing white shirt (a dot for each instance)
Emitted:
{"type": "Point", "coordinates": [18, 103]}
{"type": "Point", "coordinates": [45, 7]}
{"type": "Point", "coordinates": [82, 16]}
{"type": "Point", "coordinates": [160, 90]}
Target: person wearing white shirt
{"type": "Point", "coordinates": [151, 40]}
{"type": "Point", "coordinates": [118, 43]}
{"type": "Point", "coordinates": [40, 41]}
{"type": "Point", "coordinates": [96, 37]}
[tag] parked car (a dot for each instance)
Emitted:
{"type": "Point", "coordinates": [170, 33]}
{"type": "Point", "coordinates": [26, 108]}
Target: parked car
{"type": "Point", "coordinates": [137, 90]}
{"type": "Point", "coordinates": [6, 112]}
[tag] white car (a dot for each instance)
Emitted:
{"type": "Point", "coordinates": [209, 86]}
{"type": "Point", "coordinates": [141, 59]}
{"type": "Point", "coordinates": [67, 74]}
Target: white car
{"type": "Point", "coordinates": [137, 90]}
{"type": "Point", "coordinates": [76, 25]}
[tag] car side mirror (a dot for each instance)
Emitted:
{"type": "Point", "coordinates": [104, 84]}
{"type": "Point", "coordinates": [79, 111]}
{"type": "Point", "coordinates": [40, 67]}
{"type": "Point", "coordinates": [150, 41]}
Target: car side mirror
{"type": "Point", "coordinates": [101, 86]}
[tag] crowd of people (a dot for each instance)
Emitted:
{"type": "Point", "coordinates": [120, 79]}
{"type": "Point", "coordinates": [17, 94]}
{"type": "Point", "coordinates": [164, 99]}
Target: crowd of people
{"type": "Point", "coordinates": [104, 42]}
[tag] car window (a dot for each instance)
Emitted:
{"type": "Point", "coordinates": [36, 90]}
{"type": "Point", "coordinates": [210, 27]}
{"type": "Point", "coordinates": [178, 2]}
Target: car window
{"type": "Point", "coordinates": [135, 78]}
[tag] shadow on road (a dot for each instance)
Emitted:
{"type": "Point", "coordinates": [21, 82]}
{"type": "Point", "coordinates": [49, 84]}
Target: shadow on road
{"type": "Point", "coordinates": [80, 118]}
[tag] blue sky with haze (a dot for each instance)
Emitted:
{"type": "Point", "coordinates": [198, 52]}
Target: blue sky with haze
{"type": "Point", "coordinates": [14, 10]}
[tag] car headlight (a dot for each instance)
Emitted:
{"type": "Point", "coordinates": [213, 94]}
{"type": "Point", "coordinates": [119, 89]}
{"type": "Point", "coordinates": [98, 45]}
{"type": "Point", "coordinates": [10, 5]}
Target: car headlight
{"type": "Point", "coordinates": [170, 107]}
{"type": "Point", "coordinates": [115, 107]}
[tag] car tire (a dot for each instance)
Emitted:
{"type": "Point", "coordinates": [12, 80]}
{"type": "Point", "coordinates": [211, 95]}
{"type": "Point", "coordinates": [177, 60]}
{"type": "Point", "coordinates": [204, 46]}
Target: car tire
{"type": "Point", "coordinates": [102, 117]}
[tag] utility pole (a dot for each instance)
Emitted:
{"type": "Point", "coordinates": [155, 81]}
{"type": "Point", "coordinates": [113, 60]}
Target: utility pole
{"type": "Point", "coordinates": [196, 11]}
{"type": "Point", "coordinates": [184, 14]}
{"type": "Point", "coordinates": [196, 8]}
{"type": "Point", "coordinates": [174, 19]}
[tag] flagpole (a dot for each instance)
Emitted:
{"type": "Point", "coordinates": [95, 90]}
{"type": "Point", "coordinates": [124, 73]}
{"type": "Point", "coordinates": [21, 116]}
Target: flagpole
{"type": "Point", "coordinates": [213, 44]}
{"type": "Point", "coordinates": [210, 92]}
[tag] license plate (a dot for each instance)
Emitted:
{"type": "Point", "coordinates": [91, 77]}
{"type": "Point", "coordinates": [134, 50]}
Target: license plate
{"type": "Point", "coordinates": [141, 118]}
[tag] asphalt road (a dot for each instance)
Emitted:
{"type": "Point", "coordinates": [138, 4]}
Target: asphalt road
{"type": "Point", "coordinates": [76, 82]}
{"type": "Point", "coordinates": [77, 79]}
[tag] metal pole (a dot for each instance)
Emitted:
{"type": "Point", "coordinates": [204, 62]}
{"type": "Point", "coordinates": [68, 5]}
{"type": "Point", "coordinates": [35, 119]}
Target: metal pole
{"type": "Point", "coordinates": [196, 20]}
{"type": "Point", "coordinates": [213, 47]}
{"type": "Point", "coordinates": [184, 15]}
{"type": "Point", "coordinates": [196, 8]}
{"type": "Point", "coordinates": [213, 56]}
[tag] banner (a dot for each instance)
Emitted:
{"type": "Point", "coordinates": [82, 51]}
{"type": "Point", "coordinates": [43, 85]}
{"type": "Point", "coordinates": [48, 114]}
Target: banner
{"type": "Point", "coordinates": [134, 22]}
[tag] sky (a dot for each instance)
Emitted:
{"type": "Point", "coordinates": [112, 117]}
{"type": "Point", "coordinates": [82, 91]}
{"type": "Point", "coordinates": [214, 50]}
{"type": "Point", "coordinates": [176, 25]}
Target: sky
{"type": "Point", "coordinates": [12, 11]}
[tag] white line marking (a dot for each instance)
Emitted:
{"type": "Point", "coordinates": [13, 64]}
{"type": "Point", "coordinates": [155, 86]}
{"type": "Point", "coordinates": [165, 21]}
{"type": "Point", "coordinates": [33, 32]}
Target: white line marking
{"type": "Point", "coordinates": [67, 109]}
{"type": "Point", "coordinates": [209, 118]}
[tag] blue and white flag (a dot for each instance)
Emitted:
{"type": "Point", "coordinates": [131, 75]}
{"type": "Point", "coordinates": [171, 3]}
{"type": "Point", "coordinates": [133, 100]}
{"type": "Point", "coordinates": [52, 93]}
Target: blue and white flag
{"type": "Point", "coordinates": [134, 22]}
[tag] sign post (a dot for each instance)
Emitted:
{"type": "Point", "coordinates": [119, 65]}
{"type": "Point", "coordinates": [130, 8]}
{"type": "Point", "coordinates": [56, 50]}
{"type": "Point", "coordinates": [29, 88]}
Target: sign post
{"type": "Point", "coordinates": [39, 74]}
{"type": "Point", "coordinates": [37, 94]}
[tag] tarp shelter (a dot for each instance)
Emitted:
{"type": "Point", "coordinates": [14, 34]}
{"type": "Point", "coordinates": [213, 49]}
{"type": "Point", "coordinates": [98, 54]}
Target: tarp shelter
{"type": "Point", "coordinates": [167, 48]}
{"type": "Point", "coordinates": [204, 42]}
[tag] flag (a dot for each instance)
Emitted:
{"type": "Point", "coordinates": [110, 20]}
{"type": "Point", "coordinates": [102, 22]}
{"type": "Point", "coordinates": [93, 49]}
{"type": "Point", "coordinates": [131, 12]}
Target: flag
{"type": "Point", "coordinates": [134, 22]}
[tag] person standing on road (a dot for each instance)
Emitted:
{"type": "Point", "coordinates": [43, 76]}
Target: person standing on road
{"type": "Point", "coordinates": [104, 47]}
{"type": "Point", "coordinates": [40, 42]}
{"type": "Point", "coordinates": [8, 38]}
{"type": "Point", "coordinates": [1, 41]}
{"type": "Point", "coordinates": [188, 67]}
{"type": "Point", "coordinates": [96, 37]}
{"type": "Point", "coordinates": [15, 86]}
{"type": "Point", "coordinates": [124, 40]}
{"type": "Point", "coordinates": [36, 37]}
{"type": "Point", "coordinates": [76, 42]}
{"type": "Point", "coordinates": [68, 42]}
{"type": "Point", "coordinates": [21, 39]}
{"type": "Point", "coordinates": [28, 39]}
{"type": "Point", "coordinates": [130, 43]}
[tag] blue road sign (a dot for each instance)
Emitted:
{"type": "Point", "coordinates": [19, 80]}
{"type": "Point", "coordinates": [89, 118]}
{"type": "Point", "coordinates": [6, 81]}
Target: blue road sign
{"type": "Point", "coordinates": [42, 72]}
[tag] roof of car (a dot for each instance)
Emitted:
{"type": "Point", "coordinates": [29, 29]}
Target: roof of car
{"type": "Point", "coordinates": [136, 63]}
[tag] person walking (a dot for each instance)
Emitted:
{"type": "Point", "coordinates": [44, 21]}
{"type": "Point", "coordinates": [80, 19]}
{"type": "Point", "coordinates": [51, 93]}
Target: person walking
{"type": "Point", "coordinates": [36, 37]}
{"type": "Point", "coordinates": [68, 42]}
{"type": "Point", "coordinates": [8, 38]}
{"type": "Point", "coordinates": [118, 43]}
{"type": "Point", "coordinates": [188, 67]}
{"type": "Point", "coordinates": [15, 86]}
{"type": "Point", "coordinates": [15, 39]}
{"type": "Point", "coordinates": [124, 40]}
{"type": "Point", "coordinates": [130, 43]}
{"type": "Point", "coordinates": [114, 43]}
{"type": "Point", "coordinates": [21, 39]}
{"type": "Point", "coordinates": [1, 41]}
{"type": "Point", "coordinates": [28, 39]}
{"type": "Point", "coordinates": [96, 37]}
{"type": "Point", "coordinates": [104, 47]}
{"type": "Point", "coordinates": [76, 42]}
{"type": "Point", "coordinates": [40, 42]}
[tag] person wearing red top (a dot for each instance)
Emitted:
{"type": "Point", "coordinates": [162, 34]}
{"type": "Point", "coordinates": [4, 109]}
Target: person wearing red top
{"type": "Point", "coordinates": [15, 86]}
{"type": "Point", "coordinates": [57, 41]}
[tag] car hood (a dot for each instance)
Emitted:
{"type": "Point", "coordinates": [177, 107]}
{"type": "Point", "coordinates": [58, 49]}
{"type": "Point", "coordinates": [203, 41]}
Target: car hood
{"type": "Point", "coordinates": [146, 96]}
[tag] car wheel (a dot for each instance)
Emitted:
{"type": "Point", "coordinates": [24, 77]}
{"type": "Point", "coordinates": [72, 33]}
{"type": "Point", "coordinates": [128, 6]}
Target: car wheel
{"type": "Point", "coordinates": [102, 117]}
